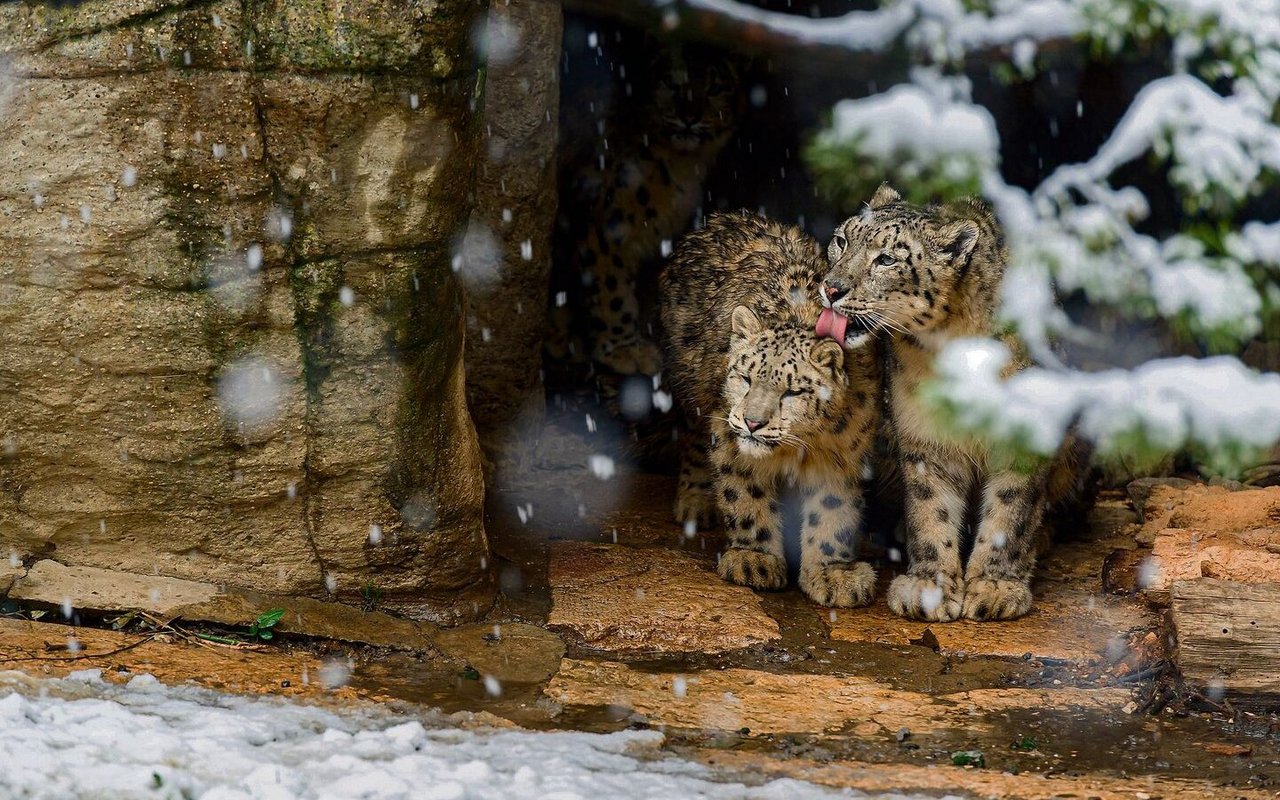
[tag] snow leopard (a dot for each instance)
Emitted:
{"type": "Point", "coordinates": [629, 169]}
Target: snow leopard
{"type": "Point", "coordinates": [926, 276]}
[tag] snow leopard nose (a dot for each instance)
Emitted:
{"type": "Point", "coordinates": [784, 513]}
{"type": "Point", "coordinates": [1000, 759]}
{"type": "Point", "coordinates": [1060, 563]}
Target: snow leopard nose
{"type": "Point", "coordinates": [754, 425]}
{"type": "Point", "coordinates": [834, 291]}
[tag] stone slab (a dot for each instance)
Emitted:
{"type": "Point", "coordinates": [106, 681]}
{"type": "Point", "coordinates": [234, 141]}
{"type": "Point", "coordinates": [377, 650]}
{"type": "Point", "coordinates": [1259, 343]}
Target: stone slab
{"type": "Point", "coordinates": [40, 649]}
{"type": "Point", "coordinates": [895, 778]}
{"type": "Point", "coordinates": [1073, 619]}
{"type": "Point", "coordinates": [771, 703]}
{"type": "Point", "coordinates": [511, 652]}
{"type": "Point", "coordinates": [109, 591]}
{"type": "Point", "coordinates": [1066, 624]}
{"type": "Point", "coordinates": [651, 601]}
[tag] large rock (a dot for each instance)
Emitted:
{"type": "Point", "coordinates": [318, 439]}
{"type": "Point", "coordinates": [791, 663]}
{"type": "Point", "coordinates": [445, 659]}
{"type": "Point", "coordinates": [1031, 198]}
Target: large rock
{"type": "Point", "coordinates": [1197, 531]}
{"type": "Point", "coordinates": [1179, 554]}
{"type": "Point", "coordinates": [230, 339]}
{"type": "Point", "coordinates": [650, 601]}
{"type": "Point", "coordinates": [1205, 508]}
{"type": "Point", "coordinates": [774, 703]}
{"type": "Point", "coordinates": [506, 256]}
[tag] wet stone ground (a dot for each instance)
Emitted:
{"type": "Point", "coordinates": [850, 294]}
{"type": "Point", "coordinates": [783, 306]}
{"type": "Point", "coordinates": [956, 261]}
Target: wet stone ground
{"type": "Point", "coordinates": [610, 617]}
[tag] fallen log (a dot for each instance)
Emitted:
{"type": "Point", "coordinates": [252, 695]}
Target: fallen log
{"type": "Point", "coordinates": [1226, 639]}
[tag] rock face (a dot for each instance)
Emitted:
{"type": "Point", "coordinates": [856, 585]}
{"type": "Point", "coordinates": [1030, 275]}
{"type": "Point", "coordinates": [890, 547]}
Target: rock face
{"type": "Point", "coordinates": [507, 253]}
{"type": "Point", "coordinates": [1208, 532]}
{"type": "Point", "coordinates": [230, 338]}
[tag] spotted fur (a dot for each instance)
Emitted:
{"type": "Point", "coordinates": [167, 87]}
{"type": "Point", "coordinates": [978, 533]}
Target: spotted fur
{"type": "Point", "coordinates": [769, 404]}
{"type": "Point", "coordinates": [635, 185]}
{"type": "Point", "coordinates": [927, 276]}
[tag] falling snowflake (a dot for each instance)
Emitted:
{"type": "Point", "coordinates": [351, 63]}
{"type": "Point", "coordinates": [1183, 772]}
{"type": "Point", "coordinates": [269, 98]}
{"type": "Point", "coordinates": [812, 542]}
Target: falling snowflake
{"type": "Point", "coordinates": [601, 466]}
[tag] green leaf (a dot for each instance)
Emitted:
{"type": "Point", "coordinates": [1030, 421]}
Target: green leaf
{"type": "Point", "coordinates": [268, 619]}
{"type": "Point", "coordinates": [1024, 744]}
{"type": "Point", "coordinates": [265, 635]}
{"type": "Point", "coordinates": [968, 758]}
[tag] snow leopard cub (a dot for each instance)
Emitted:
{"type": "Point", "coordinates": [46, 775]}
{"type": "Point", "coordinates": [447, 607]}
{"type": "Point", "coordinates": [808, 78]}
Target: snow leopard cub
{"type": "Point", "coordinates": [768, 404]}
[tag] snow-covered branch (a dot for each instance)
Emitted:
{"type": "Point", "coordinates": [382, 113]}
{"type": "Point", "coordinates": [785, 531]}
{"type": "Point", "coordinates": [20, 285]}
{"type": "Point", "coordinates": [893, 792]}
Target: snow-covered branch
{"type": "Point", "coordinates": [1216, 405]}
{"type": "Point", "coordinates": [1078, 233]}
{"type": "Point", "coordinates": [935, 30]}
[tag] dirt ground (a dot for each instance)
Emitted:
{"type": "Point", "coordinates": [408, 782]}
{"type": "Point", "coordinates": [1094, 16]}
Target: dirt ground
{"type": "Point", "coordinates": [610, 616]}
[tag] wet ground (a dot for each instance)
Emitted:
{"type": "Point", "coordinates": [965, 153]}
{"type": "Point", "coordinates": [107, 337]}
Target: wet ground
{"type": "Point", "coordinates": [610, 617]}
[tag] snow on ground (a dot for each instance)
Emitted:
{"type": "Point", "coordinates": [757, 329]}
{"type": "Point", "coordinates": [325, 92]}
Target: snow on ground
{"type": "Point", "coordinates": [82, 737]}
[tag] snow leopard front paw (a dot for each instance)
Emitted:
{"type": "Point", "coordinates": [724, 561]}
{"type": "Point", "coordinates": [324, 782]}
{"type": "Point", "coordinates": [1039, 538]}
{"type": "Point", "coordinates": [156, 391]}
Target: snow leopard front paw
{"type": "Point", "coordinates": [839, 585]}
{"type": "Point", "coordinates": [986, 598]}
{"type": "Point", "coordinates": [694, 504]}
{"type": "Point", "coordinates": [926, 598]}
{"type": "Point", "coordinates": [752, 568]}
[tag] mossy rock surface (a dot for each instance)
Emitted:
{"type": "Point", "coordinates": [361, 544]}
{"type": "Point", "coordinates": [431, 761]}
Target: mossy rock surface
{"type": "Point", "coordinates": [232, 338]}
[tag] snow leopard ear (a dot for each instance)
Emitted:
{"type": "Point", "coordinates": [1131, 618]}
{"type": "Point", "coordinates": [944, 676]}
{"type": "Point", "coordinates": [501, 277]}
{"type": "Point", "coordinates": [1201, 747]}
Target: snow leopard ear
{"type": "Point", "coordinates": [884, 196]}
{"type": "Point", "coordinates": [957, 239]}
{"type": "Point", "coordinates": [744, 322]}
{"type": "Point", "coordinates": [828, 355]}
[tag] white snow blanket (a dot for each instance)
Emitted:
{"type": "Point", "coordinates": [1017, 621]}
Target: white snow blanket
{"type": "Point", "coordinates": [85, 738]}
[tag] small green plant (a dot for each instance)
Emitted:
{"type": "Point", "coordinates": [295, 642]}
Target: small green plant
{"type": "Point", "coordinates": [261, 628]}
{"type": "Point", "coordinates": [968, 758]}
{"type": "Point", "coordinates": [469, 674]}
{"type": "Point", "coordinates": [372, 596]}
{"type": "Point", "coordinates": [1024, 744]}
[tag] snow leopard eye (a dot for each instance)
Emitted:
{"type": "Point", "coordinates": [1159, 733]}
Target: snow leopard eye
{"type": "Point", "coordinates": [839, 243]}
{"type": "Point", "coordinates": [885, 260]}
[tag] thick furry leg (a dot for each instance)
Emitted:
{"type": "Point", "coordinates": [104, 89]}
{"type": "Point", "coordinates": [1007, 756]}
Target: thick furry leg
{"type": "Point", "coordinates": [829, 574]}
{"type": "Point", "coordinates": [615, 316]}
{"type": "Point", "coordinates": [694, 500]}
{"type": "Point", "coordinates": [998, 576]}
{"type": "Point", "coordinates": [749, 507]}
{"type": "Point", "coordinates": [627, 354]}
{"type": "Point", "coordinates": [933, 588]}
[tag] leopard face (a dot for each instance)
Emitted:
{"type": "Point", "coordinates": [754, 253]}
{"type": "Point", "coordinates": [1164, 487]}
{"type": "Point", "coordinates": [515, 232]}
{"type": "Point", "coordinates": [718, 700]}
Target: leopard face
{"type": "Point", "coordinates": [696, 98]}
{"type": "Point", "coordinates": [896, 266]}
{"type": "Point", "coordinates": [781, 385]}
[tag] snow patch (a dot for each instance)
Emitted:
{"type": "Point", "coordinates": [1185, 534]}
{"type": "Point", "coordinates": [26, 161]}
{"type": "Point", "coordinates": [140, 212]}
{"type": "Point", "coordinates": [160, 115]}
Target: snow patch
{"type": "Point", "coordinates": [78, 739]}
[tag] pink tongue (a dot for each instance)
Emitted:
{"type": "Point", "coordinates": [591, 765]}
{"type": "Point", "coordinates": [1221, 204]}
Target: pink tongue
{"type": "Point", "coordinates": [832, 325]}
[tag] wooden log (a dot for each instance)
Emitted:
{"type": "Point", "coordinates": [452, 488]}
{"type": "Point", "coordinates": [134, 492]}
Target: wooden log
{"type": "Point", "coordinates": [1227, 638]}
